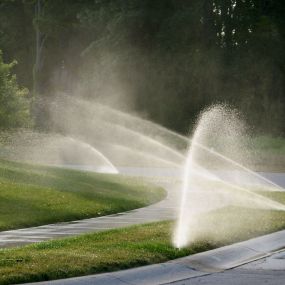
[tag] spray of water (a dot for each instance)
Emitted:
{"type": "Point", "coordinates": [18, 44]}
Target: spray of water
{"type": "Point", "coordinates": [103, 127]}
{"type": "Point", "coordinates": [221, 128]}
{"type": "Point", "coordinates": [99, 124]}
{"type": "Point", "coordinates": [143, 143]}
{"type": "Point", "coordinates": [124, 156]}
{"type": "Point", "coordinates": [54, 149]}
{"type": "Point", "coordinates": [106, 166]}
{"type": "Point", "coordinates": [253, 175]}
{"type": "Point", "coordinates": [107, 138]}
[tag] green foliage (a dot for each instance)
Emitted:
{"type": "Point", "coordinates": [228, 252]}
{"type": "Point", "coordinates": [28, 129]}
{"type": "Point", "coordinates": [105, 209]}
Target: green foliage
{"type": "Point", "coordinates": [16, 38]}
{"type": "Point", "coordinates": [169, 58]}
{"type": "Point", "coordinates": [14, 105]}
{"type": "Point", "coordinates": [175, 58]}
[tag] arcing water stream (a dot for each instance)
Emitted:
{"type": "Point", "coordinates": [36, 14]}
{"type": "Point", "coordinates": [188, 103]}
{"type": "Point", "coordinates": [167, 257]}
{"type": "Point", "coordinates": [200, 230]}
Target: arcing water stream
{"type": "Point", "coordinates": [198, 196]}
{"type": "Point", "coordinates": [104, 139]}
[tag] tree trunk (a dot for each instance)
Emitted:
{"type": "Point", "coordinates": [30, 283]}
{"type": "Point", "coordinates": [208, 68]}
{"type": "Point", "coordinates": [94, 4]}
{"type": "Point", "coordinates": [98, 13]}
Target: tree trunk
{"type": "Point", "coordinates": [40, 40]}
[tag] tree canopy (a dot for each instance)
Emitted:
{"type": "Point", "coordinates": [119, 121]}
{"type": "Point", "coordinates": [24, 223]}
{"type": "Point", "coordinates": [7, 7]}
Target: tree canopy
{"type": "Point", "coordinates": [166, 58]}
{"type": "Point", "coordinates": [14, 105]}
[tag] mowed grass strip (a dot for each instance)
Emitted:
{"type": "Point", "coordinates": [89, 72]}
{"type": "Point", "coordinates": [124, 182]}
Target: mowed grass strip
{"type": "Point", "coordinates": [32, 195]}
{"type": "Point", "coordinates": [133, 246]}
{"type": "Point", "coordinates": [91, 253]}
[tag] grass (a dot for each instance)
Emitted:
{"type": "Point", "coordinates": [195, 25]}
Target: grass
{"type": "Point", "coordinates": [32, 195]}
{"type": "Point", "coordinates": [261, 153]}
{"type": "Point", "coordinates": [133, 246]}
{"type": "Point", "coordinates": [275, 145]}
{"type": "Point", "coordinates": [270, 150]}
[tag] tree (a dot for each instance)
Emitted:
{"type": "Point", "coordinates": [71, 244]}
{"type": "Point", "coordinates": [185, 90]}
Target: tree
{"type": "Point", "coordinates": [189, 54]}
{"type": "Point", "coordinates": [14, 105]}
{"type": "Point", "coordinates": [17, 38]}
{"type": "Point", "coordinates": [40, 41]}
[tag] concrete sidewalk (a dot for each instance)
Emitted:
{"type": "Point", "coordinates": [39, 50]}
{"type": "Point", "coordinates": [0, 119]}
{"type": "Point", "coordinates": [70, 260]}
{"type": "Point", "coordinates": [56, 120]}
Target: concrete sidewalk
{"type": "Point", "coordinates": [164, 210]}
{"type": "Point", "coordinates": [257, 261]}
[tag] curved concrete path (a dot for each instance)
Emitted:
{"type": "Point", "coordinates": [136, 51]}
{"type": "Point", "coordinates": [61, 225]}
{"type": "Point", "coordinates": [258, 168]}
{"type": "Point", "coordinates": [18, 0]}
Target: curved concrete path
{"type": "Point", "coordinates": [212, 266]}
{"type": "Point", "coordinates": [164, 210]}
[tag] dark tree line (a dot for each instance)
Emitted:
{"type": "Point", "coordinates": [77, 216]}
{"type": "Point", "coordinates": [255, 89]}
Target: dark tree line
{"type": "Point", "coordinates": [166, 58]}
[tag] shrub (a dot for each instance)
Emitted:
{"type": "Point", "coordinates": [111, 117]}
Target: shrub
{"type": "Point", "coordinates": [14, 102]}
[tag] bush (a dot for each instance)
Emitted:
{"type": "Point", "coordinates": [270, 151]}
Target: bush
{"type": "Point", "coordinates": [14, 102]}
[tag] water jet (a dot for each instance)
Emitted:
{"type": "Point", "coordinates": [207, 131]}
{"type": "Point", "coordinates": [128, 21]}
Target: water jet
{"type": "Point", "coordinates": [204, 193]}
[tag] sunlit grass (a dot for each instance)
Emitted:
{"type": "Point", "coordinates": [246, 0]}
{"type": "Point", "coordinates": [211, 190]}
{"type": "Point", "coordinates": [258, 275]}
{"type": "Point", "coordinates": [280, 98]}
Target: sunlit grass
{"type": "Point", "coordinates": [33, 195]}
{"type": "Point", "coordinates": [133, 246]}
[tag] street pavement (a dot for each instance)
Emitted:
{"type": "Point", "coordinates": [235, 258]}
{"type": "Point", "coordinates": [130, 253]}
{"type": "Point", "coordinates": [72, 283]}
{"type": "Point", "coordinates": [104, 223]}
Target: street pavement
{"type": "Point", "coordinates": [264, 271]}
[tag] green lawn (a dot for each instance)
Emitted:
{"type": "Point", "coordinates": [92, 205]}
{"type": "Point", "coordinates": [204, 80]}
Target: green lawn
{"type": "Point", "coordinates": [33, 195]}
{"type": "Point", "coordinates": [261, 153]}
{"type": "Point", "coordinates": [269, 153]}
{"type": "Point", "coordinates": [133, 246]}
{"type": "Point", "coordinates": [269, 144]}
